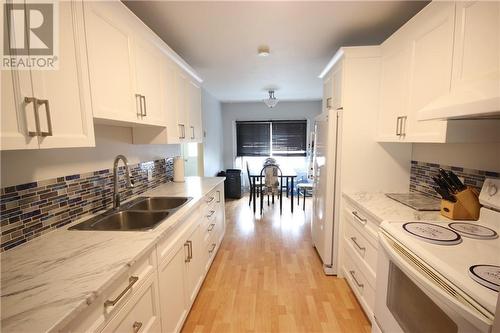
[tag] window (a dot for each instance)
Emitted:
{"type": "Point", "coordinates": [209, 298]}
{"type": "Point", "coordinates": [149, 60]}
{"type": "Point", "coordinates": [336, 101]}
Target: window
{"type": "Point", "coordinates": [252, 138]}
{"type": "Point", "coordinates": [271, 138]}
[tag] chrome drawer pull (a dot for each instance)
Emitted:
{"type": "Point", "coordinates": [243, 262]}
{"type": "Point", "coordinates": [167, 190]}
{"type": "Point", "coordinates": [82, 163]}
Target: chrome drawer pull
{"type": "Point", "coordinates": [212, 249]}
{"type": "Point", "coordinates": [210, 200]}
{"type": "Point", "coordinates": [189, 245]}
{"type": "Point", "coordinates": [359, 246]}
{"type": "Point", "coordinates": [212, 212]}
{"type": "Point", "coordinates": [361, 219]}
{"type": "Point", "coordinates": [131, 281]}
{"type": "Point", "coordinates": [360, 285]}
{"type": "Point", "coordinates": [137, 326]}
{"type": "Point", "coordinates": [211, 227]}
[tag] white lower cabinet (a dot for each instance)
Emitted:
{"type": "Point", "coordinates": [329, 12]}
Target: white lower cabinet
{"type": "Point", "coordinates": [359, 256]}
{"type": "Point", "coordinates": [158, 290]}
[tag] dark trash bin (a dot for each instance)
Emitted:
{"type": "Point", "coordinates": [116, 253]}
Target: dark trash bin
{"type": "Point", "coordinates": [232, 186]}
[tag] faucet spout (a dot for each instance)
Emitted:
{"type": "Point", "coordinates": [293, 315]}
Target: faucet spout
{"type": "Point", "coordinates": [128, 177]}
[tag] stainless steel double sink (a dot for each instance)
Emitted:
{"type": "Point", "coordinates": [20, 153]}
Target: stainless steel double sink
{"type": "Point", "coordinates": [140, 214]}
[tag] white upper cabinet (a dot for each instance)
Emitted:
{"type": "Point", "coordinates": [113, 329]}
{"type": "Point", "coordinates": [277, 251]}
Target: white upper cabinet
{"type": "Point", "coordinates": [51, 108]}
{"type": "Point", "coordinates": [138, 79]}
{"type": "Point", "coordinates": [149, 82]}
{"type": "Point", "coordinates": [416, 68]}
{"type": "Point", "coordinates": [110, 62]}
{"type": "Point", "coordinates": [396, 56]}
{"type": "Point", "coordinates": [431, 44]}
{"type": "Point", "coordinates": [195, 121]}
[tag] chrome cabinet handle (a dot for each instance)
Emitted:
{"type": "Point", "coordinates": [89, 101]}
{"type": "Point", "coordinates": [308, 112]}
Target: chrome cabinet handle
{"type": "Point", "coordinates": [211, 213]}
{"type": "Point", "coordinates": [340, 108]}
{"type": "Point", "coordinates": [402, 132]}
{"type": "Point", "coordinates": [192, 132]}
{"type": "Point", "coordinates": [210, 200]}
{"type": "Point", "coordinates": [38, 132]}
{"type": "Point", "coordinates": [361, 248]}
{"type": "Point", "coordinates": [143, 98]}
{"type": "Point", "coordinates": [360, 285]}
{"type": "Point", "coordinates": [211, 227]}
{"type": "Point", "coordinates": [212, 249]}
{"type": "Point", "coordinates": [397, 126]}
{"type": "Point", "coordinates": [189, 245]}
{"type": "Point", "coordinates": [328, 103]}
{"type": "Point", "coordinates": [131, 281]}
{"type": "Point", "coordinates": [218, 196]}
{"type": "Point", "coordinates": [45, 102]}
{"type": "Point", "coordinates": [180, 130]}
{"type": "Point", "coordinates": [360, 219]}
{"type": "Point", "coordinates": [136, 326]}
{"type": "Point", "coordinates": [139, 110]}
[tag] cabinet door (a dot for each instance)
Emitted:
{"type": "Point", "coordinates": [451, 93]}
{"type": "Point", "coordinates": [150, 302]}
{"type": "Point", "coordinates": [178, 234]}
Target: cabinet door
{"type": "Point", "coordinates": [477, 41]}
{"type": "Point", "coordinates": [110, 61]}
{"type": "Point", "coordinates": [327, 92]}
{"type": "Point", "coordinates": [393, 88]}
{"type": "Point", "coordinates": [337, 86]}
{"type": "Point", "coordinates": [174, 131]}
{"type": "Point", "coordinates": [172, 279]}
{"type": "Point", "coordinates": [64, 94]}
{"type": "Point", "coordinates": [195, 121]}
{"type": "Point", "coordinates": [17, 117]}
{"type": "Point", "coordinates": [430, 68]}
{"type": "Point", "coordinates": [181, 85]}
{"type": "Point", "coordinates": [148, 71]}
{"type": "Point", "coordinates": [196, 265]}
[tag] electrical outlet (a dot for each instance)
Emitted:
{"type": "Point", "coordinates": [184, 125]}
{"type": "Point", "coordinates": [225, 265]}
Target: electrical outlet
{"type": "Point", "coordinates": [150, 175]}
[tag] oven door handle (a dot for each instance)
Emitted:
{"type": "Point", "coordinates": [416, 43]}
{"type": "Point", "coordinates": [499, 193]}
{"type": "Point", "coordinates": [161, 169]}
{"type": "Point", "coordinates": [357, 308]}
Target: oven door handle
{"type": "Point", "coordinates": [475, 314]}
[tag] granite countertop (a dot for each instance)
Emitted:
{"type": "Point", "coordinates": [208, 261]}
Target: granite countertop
{"type": "Point", "coordinates": [50, 280]}
{"type": "Point", "coordinates": [382, 208]}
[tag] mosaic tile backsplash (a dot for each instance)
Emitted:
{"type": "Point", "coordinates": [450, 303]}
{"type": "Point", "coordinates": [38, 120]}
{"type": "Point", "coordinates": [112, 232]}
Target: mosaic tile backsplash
{"type": "Point", "coordinates": [421, 173]}
{"type": "Point", "coordinates": [33, 209]}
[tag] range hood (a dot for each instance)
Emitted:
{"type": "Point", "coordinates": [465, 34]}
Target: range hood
{"type": "Point", "coordinates": [474, 100]}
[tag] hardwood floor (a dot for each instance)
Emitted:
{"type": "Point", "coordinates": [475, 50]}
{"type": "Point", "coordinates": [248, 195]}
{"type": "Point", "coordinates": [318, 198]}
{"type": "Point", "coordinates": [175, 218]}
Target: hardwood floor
{"type": "Point", "coordinates": [267, 277]}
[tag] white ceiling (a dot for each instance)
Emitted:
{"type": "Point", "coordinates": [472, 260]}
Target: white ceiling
{"type": "Point", "coordinates": [220, 40]}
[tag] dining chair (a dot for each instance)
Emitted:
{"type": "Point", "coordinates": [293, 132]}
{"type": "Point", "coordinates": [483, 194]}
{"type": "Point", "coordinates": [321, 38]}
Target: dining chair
{"type": "Point", "coordinates": [252, 186]}
{"type": "Point", "coordinates": [272, 184]}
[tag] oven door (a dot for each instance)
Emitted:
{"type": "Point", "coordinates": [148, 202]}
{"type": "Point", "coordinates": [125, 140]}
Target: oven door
{"type": "Point", "coordinates": [411, 297]}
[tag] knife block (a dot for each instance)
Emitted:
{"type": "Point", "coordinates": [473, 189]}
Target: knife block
{"type": "Point", "coordinates": [466, 207]}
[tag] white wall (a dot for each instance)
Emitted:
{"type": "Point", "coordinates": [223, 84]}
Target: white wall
{"type": "Point", "coordinates": [231, 112]}
{"type": "Point", "coordinates": [22, 166]}
{"type": "Point", "coordinates": [212, 127]}
{"type": "Point", "coordinates": [480, 156]}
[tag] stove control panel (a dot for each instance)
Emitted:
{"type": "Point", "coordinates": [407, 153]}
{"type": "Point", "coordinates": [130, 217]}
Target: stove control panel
{"type": "Point", "coordinates": [490, 193]}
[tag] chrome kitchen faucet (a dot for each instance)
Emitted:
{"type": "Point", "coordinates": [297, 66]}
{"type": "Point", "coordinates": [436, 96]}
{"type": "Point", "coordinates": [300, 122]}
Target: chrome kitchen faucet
{"type": "Point", "coordinates": [128, 176]}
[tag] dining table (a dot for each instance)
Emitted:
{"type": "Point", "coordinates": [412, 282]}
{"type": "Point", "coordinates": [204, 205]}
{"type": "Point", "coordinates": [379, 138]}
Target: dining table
{"type": "Point", "coordinates": [288, 176]}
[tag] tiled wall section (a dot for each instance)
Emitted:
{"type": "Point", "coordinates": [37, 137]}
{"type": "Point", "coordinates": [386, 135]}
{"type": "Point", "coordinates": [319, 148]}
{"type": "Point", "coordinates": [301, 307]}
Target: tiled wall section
{"type": "Point", "coordinates": [421, 173]}
{"type": "Point", "coordinates": [30, 210]}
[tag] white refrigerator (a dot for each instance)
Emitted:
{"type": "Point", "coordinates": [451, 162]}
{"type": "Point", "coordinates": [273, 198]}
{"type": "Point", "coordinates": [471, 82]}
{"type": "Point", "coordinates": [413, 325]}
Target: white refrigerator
{"type": "Point", "coordinates": [326, 190]}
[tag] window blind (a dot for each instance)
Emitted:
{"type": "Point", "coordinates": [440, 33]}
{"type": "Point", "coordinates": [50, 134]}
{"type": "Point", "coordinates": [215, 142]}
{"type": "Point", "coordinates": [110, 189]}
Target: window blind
{"type": "Point", "coordinates": [271, 138]}
{"type": "Point", "coordinates": [253, 138]}
{"type": "Point", "coordinates": [289, 138]}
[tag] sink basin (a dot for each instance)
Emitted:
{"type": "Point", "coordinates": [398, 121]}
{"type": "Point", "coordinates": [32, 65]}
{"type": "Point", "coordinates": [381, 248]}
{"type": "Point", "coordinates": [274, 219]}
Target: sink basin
{"type": "Point", "coordinates": [123, 221]}
{"type": "Point", "coordinates": [157, 203]}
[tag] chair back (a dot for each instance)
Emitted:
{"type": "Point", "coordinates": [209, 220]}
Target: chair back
{"type": "Point", "coordinates": [272, 175]}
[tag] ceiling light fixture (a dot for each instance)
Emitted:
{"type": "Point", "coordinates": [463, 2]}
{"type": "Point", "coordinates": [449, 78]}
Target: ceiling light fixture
{"type": "Point", "coordinates": [263, 51]}
{"type": "Point", "coordinates": [271, 101]}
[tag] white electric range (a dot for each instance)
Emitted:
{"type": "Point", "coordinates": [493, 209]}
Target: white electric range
{"type": "Point", "coordinates": [440, 276]}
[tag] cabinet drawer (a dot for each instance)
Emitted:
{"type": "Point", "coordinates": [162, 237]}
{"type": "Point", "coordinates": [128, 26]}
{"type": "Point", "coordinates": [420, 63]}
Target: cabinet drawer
{"type": "Point", "coordinates": [362, 246]}
{"type": "Point", "coordinates": [365, 293]}
{"type": "Point", "coordinates": [362, 222]}
{"type": "Point", "coordinates": [141, 313]}
{"type": "Point", "coordinates": [107, 304]}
